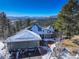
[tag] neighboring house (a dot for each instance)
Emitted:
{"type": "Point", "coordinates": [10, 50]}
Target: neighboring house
{"type": "Point", "coordinates": [44, 32]}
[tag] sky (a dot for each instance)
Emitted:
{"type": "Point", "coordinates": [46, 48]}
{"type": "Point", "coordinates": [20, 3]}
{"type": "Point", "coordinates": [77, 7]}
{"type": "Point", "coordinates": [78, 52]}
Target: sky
{"type": "Point", "coordinates": [31, 7]}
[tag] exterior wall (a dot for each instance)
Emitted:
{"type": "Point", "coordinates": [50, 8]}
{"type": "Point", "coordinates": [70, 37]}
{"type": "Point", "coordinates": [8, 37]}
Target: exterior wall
{"type": "Point", "coordinates": [19, 45]}
{"type": "Point", "coordinates": [48, 36]}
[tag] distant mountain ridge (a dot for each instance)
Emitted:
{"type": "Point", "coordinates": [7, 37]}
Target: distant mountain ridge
{"type": "Point", "coordinates": [31, 18]}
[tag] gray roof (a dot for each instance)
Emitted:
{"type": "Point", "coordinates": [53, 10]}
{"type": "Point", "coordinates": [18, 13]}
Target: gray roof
{"type": "Point", "coordinates": [24, 35]}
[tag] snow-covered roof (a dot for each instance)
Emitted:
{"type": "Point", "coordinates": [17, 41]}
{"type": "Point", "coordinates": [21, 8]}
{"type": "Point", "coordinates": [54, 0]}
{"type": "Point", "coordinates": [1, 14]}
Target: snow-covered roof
{"type": "Point", "coordinates": [49, 28]}
{"type": "Point", "coordinates": [24, 35]}
{"type": "Point", "coordinates": [41, 30]}
{"type": "Point", "coordinates": [35, 26]}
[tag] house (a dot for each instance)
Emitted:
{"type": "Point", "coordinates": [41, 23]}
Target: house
{"type": "Point", "coordinates": [25, 45]}
{"type": "Point", "coordinates": [24, 38]}
{"type": "Point", "coordinates": [44, 32]}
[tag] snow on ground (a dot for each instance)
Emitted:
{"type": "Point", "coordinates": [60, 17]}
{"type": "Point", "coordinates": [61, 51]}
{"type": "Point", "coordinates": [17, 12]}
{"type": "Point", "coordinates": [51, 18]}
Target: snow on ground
{"type": "Point", "coordinates": [2, 51]}
{"type": "Point", "coordinates": [64, 54]}
{"type": "Point", "coordinates": [1, 45]}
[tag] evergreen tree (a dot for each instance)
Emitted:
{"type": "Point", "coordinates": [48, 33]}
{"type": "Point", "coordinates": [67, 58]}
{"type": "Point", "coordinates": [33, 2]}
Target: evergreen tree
{"type": "Point", "coordinates": [17, 26]}
{"type": "Point", "coordinates": [28, 22]}
{"type": "Point", "coordinates": [3, 24]}
{"type": "Point", "coordinates": [68, 19]}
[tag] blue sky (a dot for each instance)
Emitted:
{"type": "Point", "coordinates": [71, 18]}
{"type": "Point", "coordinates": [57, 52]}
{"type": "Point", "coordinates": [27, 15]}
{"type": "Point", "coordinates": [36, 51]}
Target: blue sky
{"type": "Point", "coordinates": [31, 7]}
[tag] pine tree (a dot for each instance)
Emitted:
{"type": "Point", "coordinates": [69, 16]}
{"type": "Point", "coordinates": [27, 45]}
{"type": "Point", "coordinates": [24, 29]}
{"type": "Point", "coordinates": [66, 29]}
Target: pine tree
{"type": "Point", "coordinates": [68, 18]}
{"type": "Point", "coordinates": [3, 23]}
